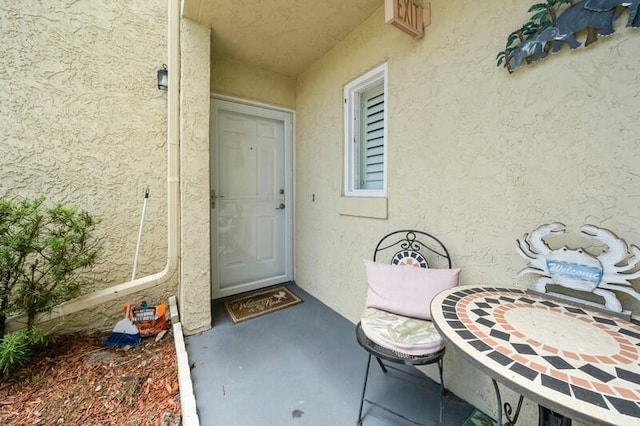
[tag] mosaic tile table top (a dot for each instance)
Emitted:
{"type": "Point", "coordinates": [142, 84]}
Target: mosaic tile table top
{"type": "Point", "coordinates": [580, 363]}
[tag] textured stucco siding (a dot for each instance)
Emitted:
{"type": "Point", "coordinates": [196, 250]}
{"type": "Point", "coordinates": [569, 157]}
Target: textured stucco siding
{"type": "Point", "coordinates": [475, 155]}
{"type": "Point", "coordinates": [195, 282]}
{"type": "Point", "coordinates": [246, 81]}
{"type": "Point", "coordinates": [83, 122]}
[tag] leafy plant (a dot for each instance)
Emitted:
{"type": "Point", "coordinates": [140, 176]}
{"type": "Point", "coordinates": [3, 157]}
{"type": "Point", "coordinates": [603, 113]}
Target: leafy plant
{"type": "Point", "coordinates": [14, 350]}
{"type": "Point", "coordinates": [14, 249]}
{"type": "Point", "coordinates": [17, 348]}
{"type": "Point", "coordinates": [42, 250]}
{"type": "Point", "coordinates": [38, 337]}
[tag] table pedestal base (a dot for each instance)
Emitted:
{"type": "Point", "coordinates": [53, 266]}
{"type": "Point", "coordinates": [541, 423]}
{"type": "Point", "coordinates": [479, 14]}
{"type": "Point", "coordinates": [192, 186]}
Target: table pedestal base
{"type": "Point", "coordinates": [512, 417]}
{"type": "Point", "coordinates": [546, 417]}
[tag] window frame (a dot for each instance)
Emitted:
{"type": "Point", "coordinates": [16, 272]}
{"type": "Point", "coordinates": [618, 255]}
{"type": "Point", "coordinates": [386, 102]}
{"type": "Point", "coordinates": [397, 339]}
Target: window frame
{"type": "Point", "coordinates": [353, 141]}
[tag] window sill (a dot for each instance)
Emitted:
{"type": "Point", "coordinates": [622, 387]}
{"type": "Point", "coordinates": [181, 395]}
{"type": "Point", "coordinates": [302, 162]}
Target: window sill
{"type": "Point", "coordinates": [372, 207]}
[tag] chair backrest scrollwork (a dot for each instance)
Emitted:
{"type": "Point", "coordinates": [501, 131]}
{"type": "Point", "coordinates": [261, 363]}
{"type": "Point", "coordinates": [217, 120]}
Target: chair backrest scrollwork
{"type": "Point", "coordinates": [414, 248]}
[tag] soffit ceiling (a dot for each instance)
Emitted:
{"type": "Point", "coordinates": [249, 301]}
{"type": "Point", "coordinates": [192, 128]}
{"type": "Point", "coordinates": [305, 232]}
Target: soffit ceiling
{"type": "Point", "coordinates": [284, 36]}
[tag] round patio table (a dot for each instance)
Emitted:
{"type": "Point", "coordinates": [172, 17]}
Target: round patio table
{"type": "Point", "coordinates": [580, 363]}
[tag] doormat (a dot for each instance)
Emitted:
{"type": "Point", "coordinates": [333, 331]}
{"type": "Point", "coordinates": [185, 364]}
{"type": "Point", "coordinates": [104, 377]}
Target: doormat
{"type": "Point", "coordinates": [260, 303]}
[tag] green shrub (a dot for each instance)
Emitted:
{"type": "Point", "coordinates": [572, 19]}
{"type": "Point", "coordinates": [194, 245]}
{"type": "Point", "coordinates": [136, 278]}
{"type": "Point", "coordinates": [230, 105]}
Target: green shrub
{"type": "Point", "coordinates": [42, 250]}
{"type": "Point", "coordinates": [17, 348]}
{"type": "Point", "coordinates": [37, 337]}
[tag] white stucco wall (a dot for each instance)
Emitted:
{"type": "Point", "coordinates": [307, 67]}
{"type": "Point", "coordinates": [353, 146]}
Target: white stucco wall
{"type": "Point", "coordinates": [476, 156]}
{"type": "Point", "coordinates": [195, 281]}
{"type": "Point", "coordinates": [83, 123]}
{"type": "Point", "coordinates": [246, 81]}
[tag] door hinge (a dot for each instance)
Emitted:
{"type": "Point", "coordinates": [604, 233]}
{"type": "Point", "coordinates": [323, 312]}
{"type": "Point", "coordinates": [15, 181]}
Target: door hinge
{"type": "Point", "coordinates": [213, 198]}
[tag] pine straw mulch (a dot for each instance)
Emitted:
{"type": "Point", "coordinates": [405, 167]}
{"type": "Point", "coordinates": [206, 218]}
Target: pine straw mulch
{"type": "Point", "coordinates": [78, 381]}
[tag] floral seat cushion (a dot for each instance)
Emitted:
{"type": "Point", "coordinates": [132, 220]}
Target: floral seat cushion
{"type": "Point", "coordinates": [401, 334]}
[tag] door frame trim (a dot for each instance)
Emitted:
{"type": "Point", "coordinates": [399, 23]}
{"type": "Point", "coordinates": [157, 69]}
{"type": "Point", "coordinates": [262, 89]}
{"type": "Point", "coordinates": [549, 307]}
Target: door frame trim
{"type": "Point", "coordinates": [289, 141]}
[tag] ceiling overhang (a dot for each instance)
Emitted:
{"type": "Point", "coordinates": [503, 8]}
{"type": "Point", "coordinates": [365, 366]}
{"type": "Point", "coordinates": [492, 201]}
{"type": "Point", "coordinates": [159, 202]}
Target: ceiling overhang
{"type": "Point", "coordinates": [283, 36]}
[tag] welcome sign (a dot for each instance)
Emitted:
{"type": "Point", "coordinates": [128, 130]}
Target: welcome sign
{"type": "Point", "coordinates": [574, 271]}
{"type": "Point", "coordinates": [610, 269]}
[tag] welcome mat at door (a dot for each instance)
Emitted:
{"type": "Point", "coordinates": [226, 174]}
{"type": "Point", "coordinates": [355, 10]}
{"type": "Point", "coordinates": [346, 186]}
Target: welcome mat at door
{"type": "Point", "coordinates": [260, 303]}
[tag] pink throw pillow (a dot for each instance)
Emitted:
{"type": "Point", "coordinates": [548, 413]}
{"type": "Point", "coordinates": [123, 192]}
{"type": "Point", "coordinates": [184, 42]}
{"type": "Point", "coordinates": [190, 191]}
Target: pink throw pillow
{"type": "Point", "coordinates": [406, 290]}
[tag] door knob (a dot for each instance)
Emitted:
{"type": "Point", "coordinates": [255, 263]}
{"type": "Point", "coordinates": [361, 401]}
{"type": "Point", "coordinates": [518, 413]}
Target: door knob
{"type": "Point", "coordinates": [280, 207]}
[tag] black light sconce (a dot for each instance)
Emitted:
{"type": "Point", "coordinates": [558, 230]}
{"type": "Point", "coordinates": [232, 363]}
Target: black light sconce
{"type": "Point", "coordinates": [163, 78]}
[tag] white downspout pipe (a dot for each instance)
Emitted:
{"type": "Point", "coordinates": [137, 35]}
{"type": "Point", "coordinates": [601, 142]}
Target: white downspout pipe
{"type": "Point", "coordinates": [173, 192]}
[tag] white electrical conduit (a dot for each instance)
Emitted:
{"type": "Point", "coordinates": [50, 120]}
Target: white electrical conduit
{"type": "Point", "coordinates": [138, 241]}
{"type": "Point", "coordinates": [173, 191]}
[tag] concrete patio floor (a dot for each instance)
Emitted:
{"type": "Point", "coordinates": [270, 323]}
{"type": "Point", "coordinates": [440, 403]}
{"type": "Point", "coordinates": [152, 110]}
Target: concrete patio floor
{"type": "Point", "coordinates": [302, 366]}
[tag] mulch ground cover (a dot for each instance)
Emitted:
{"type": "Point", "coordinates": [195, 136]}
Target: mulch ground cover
{"type": "Point", "coordinates": [78, 381]}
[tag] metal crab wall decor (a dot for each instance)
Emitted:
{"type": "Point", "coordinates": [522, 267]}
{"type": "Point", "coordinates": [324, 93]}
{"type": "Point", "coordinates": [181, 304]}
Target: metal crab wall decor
{"type": "Point", "coordinates": [578, 269]}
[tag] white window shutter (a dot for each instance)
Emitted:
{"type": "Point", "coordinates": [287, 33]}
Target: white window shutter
{"type": "Point", "coordinates": [365, 143]}
{"type": "Point", "coordinates": [372, 138]}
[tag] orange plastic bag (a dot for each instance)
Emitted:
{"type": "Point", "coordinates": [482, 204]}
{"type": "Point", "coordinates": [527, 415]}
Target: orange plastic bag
{"type": "Point", "coordinates": [150, 321]}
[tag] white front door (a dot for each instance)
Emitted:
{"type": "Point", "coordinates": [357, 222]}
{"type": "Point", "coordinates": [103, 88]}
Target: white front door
{"type": "Point", "coordinates": [251, 195]}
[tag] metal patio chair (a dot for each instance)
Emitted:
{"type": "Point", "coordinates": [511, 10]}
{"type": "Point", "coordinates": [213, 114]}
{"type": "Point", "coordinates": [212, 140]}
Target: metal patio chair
{"type": "Point", "coordinates": [394, 255]}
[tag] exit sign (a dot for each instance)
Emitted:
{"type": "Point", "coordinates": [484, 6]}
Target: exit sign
{"type": "Point", "coordinates": [407, 16]}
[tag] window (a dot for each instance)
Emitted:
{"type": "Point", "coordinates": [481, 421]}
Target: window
{"type": "Point", "coordinates": [365, 121]}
